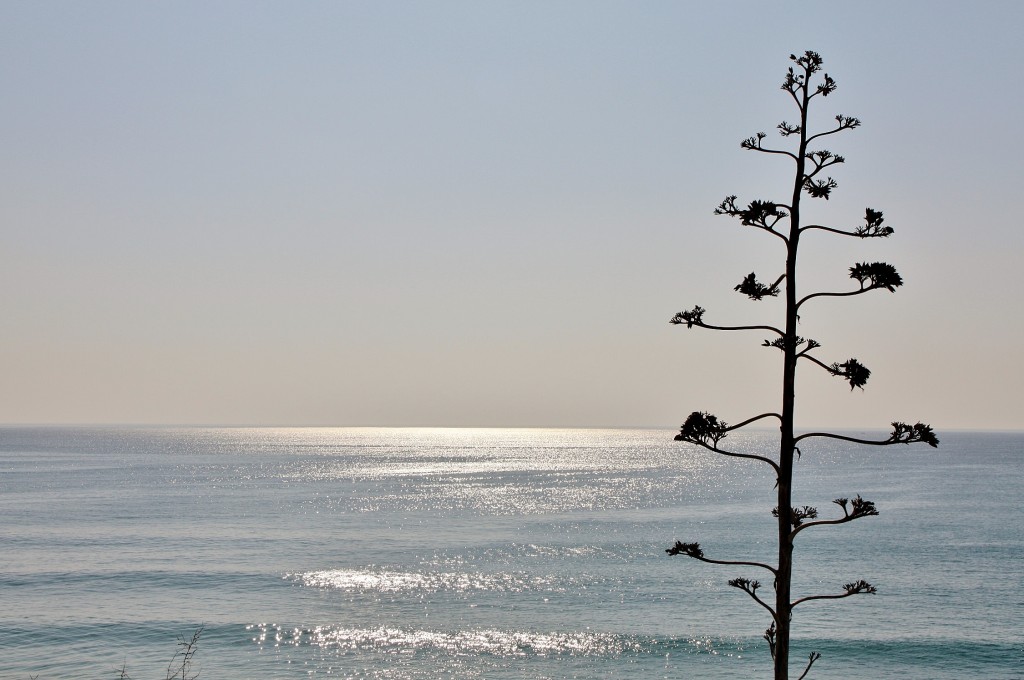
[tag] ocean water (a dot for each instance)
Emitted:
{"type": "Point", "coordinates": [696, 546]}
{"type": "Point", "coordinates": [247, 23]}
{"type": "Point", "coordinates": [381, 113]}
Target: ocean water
{"type": "Point", "coordinates": [494, 553]}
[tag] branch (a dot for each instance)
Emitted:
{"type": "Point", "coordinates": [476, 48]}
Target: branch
{"type": "Point", "coordinates": [901, 434]}
{"type": "Point", "coordinates": [755, 418]}
{"type": "Point", "coordinates": [872, 228]}
{"type": "Point", "coordinates": [814, 656]}
{"type": "Point", "coordinates": [845, 123]}
{"type": "Point", "coordinates": [853, 371]}
{"type": "Point", "coordinates": [797, 515]}
{"type": "Point", "coordinates": [706, 430]}
{"type": "Point", "coordinates": [793, 90]}
{"type": "Point", "coordinates": [181, 663]}
{"type": "Point", "coordinates": [755, 290]}
{"type": "Point", "coordinates": [750, 588]}
{"type": "Point", "coordinates": [861, 587]}
{"type": "Point", "coordinates": [694, 317]}
{"type": "Point", "coordinates": [873, 225]}
{"type": "Point", "coordinates": [693, 550]}
{"type": "Point", "coordinates": [821, 227]}
{"type": "Point", "coordinates": [819, 188]}
{"type": "Point", "coordinates": [809, 62]}
{"type": "Point", "coordinates": [787, 129]}
{"type": "Point", "coordinates": [761, 214]}
{"type": "Point", "coordinates": [701, 428]}
{"type": "Point", "coordinates": [826, 88]}
{"type": "Point", "coordinates": [754, 144]}
{"type": "Point", "coordinates": [870, 275]}
{"type": "Point", "coordinates": [876, 275]}
{"type": "Point", "coordinates": [821, 160]}
{"type": "Point", "coordinates": [780, 344]}
{"type": "Point", "coordinates": [811, 344]}
{"type": "Point", "coordinates": [733, 454]}
{"type": "Point", "coordinates": [707, 426]}
{"type": "Point", "coordinates": [832, 294]}
{"type": "Point", "coordinates": [858, 508]}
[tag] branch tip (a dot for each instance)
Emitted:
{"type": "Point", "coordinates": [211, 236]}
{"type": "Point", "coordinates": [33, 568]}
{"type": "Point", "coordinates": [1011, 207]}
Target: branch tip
{"type": "Point", "coordinates": [688, 549]}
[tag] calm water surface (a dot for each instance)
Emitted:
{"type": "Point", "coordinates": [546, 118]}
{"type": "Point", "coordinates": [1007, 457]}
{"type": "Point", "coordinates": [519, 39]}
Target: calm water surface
{"type": "Point", "coordinates": [462, 553]}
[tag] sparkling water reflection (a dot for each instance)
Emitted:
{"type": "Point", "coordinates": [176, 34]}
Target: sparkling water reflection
{"type": "Point", "coordinates": [422, 553]}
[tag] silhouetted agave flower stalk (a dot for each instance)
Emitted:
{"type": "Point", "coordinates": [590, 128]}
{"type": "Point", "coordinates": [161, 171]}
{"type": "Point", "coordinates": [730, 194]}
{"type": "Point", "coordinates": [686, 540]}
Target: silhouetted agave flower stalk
{"type": "Point", "coordinates": [783, 221]}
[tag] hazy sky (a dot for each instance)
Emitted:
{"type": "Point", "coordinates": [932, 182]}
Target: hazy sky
{"type": "Point", "coordinates": [485, 213]}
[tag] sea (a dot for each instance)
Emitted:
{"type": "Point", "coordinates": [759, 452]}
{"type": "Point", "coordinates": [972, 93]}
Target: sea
{"type": "Point", "coordinates": [495, 553]}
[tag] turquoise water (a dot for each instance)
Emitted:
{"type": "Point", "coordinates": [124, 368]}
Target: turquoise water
{"type": "Point", "coordinates": [462, 553]}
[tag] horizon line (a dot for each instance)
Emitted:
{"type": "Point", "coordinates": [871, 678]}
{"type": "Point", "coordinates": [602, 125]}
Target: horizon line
{"type": "Point", "coordinates": [142, 425]}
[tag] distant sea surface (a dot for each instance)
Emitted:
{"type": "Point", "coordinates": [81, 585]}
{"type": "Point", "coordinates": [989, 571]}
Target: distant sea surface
{"type": "Point", "coordinates": [492, 553]}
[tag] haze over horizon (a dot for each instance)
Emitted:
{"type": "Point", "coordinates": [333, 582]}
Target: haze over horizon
{"type": "Point", "coordinates": [484, 214]}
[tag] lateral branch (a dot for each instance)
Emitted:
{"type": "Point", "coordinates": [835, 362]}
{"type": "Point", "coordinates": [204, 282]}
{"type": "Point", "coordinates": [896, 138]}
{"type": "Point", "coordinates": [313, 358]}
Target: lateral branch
{"type": "Point", "coordinates": [750, 588]}
{"type": "Point", "coordinates": [694, 550]}
{"type": "Point", "coordinates": [695, 317]}
{"type": "Point", "coordinates": [861, 587]}
{"type": "Point", "coordinates": [852, 510]}
{"type": "Point", "coordinates": [706, 430]}
{"type": "Point", "coordinates": [873, 227]}
{"type": "Point", "coordinates": [901, 434]}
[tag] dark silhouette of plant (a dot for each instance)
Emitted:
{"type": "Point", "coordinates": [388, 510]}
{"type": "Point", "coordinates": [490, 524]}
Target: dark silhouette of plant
{"type": "Point", "coordinates": [783, 221]}
{"type": "Point", "coordinates": [180, 665]}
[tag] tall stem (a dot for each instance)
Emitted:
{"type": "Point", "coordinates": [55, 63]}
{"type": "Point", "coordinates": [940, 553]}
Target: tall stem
{"type": "Point", "coordinates": [787, 444]}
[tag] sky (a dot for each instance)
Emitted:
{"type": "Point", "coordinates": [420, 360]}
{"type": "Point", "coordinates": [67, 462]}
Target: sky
{"type": "Point", "coordinates": [485, 213]}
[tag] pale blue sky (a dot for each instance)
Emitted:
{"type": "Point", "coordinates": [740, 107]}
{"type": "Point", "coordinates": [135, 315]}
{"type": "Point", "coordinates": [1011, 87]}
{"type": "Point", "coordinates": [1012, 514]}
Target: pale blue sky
{"type": "Point", "coordinates": [484, 213]}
